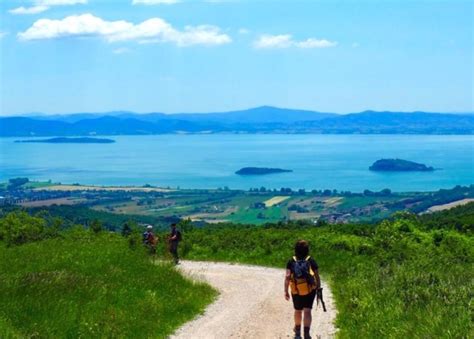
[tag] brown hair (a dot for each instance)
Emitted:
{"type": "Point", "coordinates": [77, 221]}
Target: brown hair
{"type": "Point", "coordinates": [301, 249]}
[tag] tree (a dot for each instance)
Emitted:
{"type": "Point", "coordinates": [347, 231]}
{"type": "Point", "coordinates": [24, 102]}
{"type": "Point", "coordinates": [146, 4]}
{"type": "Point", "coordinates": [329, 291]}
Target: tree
{"type": "Point", "coordinates": [96, 226]}
{"type": "Point", "coordinates": [16, 182]}
{"type": "Point", "coordinates": [19, 227]}
{"type": "Point", "coordinates": [368, 193]}
{"type": "Point", "coordinates": [186, 225]}
{"type": "Point", "coordinates": [126, 229]}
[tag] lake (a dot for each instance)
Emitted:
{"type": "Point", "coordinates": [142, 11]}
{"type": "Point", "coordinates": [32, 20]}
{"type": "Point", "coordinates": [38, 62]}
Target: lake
{"type": "Point", "coordinates": [209, 161]}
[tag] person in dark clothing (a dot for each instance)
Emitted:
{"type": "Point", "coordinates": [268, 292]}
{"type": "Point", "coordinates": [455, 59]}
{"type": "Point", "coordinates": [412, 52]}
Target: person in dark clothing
{"type": "Point", "coordinates": [174, 239]}
{"type": "Point", "coordinates": [303, 278]}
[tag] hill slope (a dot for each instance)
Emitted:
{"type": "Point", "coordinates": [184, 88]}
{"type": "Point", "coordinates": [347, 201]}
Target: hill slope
{"type": "Point", "coordinates": [85, 285]}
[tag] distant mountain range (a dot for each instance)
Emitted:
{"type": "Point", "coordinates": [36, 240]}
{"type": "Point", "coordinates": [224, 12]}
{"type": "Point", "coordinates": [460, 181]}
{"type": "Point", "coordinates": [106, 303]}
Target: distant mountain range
{"type": "Point", "coordinates": [265, 119]}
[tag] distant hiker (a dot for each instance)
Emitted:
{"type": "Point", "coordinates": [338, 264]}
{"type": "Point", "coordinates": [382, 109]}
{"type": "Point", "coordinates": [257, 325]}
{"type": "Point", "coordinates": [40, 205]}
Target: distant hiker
{"type": "Point", "coordinates": [174, 239]}
{"type": "Point", "coordinates": [303, 279]}
{"type": "Point", "coordinates": [150, 239]}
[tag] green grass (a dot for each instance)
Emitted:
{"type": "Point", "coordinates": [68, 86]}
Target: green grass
{"type": "Point", "coordinates": [354, 202]}
{"type": "Point", "coordinates": [251, 215]}
{"type": "Point", "coordinates": [37, 184]}
{"type": "Point", "coordinates": [92, 286]}
{"type": "Point", "coordinates": [394, 280]}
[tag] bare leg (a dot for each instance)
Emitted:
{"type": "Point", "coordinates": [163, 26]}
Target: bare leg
{"type": "Point", "coordinates": [298, 317]}
{"type": "Point", "coordinates": [307, 323]}
{"type": "Point", "coordinates": [307, 317]}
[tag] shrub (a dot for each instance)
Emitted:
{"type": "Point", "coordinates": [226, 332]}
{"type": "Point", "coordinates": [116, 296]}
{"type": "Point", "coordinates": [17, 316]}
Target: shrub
{"type": "Point", "coordinates": [19, 227]}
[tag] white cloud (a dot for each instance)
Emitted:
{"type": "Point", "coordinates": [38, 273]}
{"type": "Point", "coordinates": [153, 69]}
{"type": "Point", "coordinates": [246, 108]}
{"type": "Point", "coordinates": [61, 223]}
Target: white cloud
{"type": "Point", "coordinates": [244, 31]}
{"type": "Point", "coordinates": [40, 6]}
{"type": "Point", "coordinates": [155, 2]}
{"type": "Point", "coordinates": [315, 43]}
{"type": "Point", "coordinates": [60, 2]}
{"type": "Point", "coordinates": [286, 41]}
{"type": "Point", "coordinates": [273, 41]}
{"type": "Point", "coordinates": [121, 50]}
{"type": "Point", "coordinates": [2, 34]}
{"type": "Point", "coordinates": [28, 10]}
{"type": "Point", "coordinates": [153, 30]}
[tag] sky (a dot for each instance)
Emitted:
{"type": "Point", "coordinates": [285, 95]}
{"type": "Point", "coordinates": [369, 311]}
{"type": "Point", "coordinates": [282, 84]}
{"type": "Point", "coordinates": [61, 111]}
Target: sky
{"type": "Point", "coordinates": [172, 56]}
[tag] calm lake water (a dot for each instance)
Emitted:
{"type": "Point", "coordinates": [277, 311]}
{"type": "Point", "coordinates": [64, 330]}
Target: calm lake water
{"type": "Point", "coordinates": [209, 161]}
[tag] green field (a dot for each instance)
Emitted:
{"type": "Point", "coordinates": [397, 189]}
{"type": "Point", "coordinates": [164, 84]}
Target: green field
{"type": "Point", "coordinates": [81, 284]}
{"type": "Point", "coordinates": [238, 206]}
{"type": "Point", "coordinates": [258, 216]}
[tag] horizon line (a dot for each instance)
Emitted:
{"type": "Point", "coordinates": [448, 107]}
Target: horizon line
{"type": "Point", "coordinates": [34, 114]}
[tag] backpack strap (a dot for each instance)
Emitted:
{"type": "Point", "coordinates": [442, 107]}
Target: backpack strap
{"type": "Point", "coordinates": [310, 268]}
{"type": "Point", "coordinates": [293, 276]}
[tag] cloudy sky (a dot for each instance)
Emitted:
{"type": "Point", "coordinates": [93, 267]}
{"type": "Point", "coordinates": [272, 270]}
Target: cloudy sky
{"type": "Point", "coordinates": [63, 56]}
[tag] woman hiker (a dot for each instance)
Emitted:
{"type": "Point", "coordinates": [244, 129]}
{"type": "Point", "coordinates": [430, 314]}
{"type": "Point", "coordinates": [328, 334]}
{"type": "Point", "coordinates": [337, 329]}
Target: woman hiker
{"type": "Point", "coordinates": [303, 279]}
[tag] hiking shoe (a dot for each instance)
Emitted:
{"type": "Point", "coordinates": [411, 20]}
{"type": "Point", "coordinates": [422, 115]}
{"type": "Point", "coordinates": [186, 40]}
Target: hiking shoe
{"type": "Point", "coordinates": [297, 336]}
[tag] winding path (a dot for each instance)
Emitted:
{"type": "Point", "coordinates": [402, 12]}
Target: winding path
{"type": "Point", "coordinates": [250, 304]}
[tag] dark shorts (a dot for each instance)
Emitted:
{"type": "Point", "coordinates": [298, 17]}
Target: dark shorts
{"type": "Point", "coordinates": [300, 302]}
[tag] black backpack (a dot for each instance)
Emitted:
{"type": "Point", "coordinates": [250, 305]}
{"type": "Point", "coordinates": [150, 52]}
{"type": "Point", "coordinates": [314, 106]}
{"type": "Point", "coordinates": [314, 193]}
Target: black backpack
{"type": "Point", "coordinates": [302, 271]}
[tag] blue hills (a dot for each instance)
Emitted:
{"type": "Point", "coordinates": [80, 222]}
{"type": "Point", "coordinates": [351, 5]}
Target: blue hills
{"type": "Point", "coordinates": [264, 119]}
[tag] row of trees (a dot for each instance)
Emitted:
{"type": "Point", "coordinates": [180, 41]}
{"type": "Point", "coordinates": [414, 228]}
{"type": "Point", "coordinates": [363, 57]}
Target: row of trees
{"type": "Point", "coordinates": [325, 192]}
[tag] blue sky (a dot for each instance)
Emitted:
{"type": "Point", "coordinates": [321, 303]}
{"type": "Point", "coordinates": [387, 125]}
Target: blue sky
{"type": "Point", "coordinates": [64, 56]}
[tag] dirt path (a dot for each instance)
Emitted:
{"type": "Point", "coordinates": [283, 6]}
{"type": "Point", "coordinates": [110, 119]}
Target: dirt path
{"type": "Point", "coordinates": [250, 305]}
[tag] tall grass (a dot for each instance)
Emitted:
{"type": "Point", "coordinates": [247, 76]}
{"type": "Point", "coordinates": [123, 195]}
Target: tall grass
{"type": "Point", "coordinates": [394, 280]}
{"type": "Point", "coordinates": [86, 285]}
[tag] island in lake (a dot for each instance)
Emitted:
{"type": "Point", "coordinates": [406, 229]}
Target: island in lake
{"type": "Point", "coordinates": [399, 165]}
{"type": "Point", "coordinates": [260, 171]}
{"type": "Point", "coordinates": [70, 141]}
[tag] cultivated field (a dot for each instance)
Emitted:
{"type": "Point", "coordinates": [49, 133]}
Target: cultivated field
{"type": "Point", "coordinates": [50, 202]}
{"type": "Point", "coordinates": [450, 205]}
{"type": "Point", "coordinates": [275, 200]}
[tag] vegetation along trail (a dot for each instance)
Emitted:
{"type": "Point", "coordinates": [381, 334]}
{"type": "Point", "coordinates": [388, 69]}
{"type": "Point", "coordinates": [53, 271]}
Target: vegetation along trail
{"type": "Point", "coordinates": [251, 304]}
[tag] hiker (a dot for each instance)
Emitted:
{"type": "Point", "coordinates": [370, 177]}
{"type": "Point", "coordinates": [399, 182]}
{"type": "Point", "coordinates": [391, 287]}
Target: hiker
{"type": "Point", "coordinates": [150, 239]}
{"type": "Point", "coordinates": [174, 239]}
{"type": "Point", "coordinates": [303, 279]}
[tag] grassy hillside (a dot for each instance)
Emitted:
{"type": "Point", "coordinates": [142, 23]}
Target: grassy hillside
{"type": "Point", "coordinates": [410, 276]}
{"type": "Point", "coordinates": [397, 279]}
{"type": "Point", "coordinates": [81, 284]}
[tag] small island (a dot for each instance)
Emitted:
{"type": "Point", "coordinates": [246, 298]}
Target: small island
{"type": "Point", "coordinates": [399, 165]}
{"type": "Point", "coordinates": [69, 141]}
{"type": "Point", "coordinates": [260, 171]}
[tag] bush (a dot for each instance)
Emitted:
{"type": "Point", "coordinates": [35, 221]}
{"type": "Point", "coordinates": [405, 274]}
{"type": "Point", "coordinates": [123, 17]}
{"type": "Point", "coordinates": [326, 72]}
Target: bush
{"type": "Point", "coordinates": [19, 227]}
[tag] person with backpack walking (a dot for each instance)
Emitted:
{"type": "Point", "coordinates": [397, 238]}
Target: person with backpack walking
{"type": "Point", "coordinates": [302, 278]}
{"type": "Point", "coordinates": [150, 239]}
{"type": "Point", "coordinates": [174, 239]}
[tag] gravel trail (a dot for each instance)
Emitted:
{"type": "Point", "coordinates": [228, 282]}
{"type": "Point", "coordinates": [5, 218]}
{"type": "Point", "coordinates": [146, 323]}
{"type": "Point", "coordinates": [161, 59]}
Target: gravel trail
{"type": "Point", "coordinates": [250, 305]}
